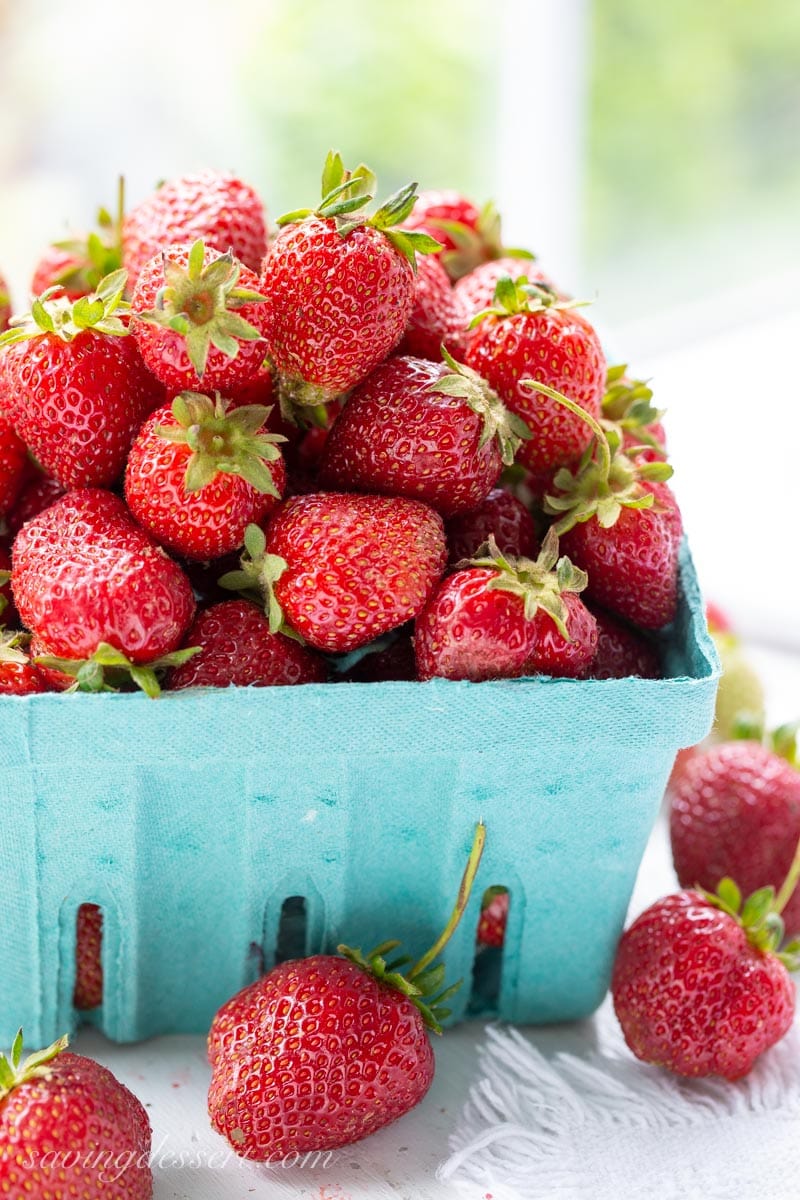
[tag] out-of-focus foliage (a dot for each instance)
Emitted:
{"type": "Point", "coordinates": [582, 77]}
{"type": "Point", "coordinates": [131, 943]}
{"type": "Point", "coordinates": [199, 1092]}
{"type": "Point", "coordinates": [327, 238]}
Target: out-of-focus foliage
{"type": "Point", "coordinates": [694, 135]}
{"type": "Point", "coordinates": [409, 88]}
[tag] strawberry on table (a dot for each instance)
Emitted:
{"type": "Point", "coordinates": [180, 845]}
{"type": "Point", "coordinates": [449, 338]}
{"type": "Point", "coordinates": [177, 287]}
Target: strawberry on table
{"type": "Point", "coordinates": [218, 207]}
{"type": "Point", "coordinates": [198, 474]}
{"type": "Point", "coordinates": [339, 286]}
{"type": "Point", "coordinates": [75, 386]}
{"type": "Point", "coordinates": [238, 647]}
{"type": "Point", "coordinates": [89, 581]}
{"type": "Point", "coordinates": [430, 431]}
{"type": "Point", "coordinates": [698, 984]}
{"type": "Point", "coordinates": [324, 1051]}
{"type": "Point", "coordinates": [199, 319]}
{"type": "Point", "coordinates": [341, 569]}
{"type": "Point", "coordinates": [69, 1128]}
{"type": "Point", "coordinates": [502, 618]}
{"type": "Point", "coordinates": [735, 810]}
{"type": "Point", "coordinates": [529, 333]}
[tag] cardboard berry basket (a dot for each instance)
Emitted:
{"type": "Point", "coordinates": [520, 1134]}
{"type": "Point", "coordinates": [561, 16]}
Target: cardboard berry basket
{"type": "Point", "coordinates": [193, 818]}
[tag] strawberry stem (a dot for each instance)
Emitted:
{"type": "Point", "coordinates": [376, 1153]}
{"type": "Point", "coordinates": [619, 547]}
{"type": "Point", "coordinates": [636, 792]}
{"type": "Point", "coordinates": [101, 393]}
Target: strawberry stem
{"type": "Point", "coordinates": [465, 888]}
{"type": "Point", "coordinates": [789, 884]}
{"type": "Point", "coordinates": [587, 418]}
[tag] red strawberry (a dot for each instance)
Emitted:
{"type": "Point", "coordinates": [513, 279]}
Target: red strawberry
{"type": "Point", "coordinates": [18, 675]}
{"type": "Point", "coordinates": [469, 235]}
{"type": "Point", "coordinates": [88, 958]}
{"type": "Point", "coordinates": [79, 387]}
{"type": "Point", "coordinates": [237, 647]}
{"type": "Point", "coordinates": [628, 404]}
{"type": "Point", "coordinates": [436, 319]}
{"type": "Point", "coordinates": [431, 431]}
{"type": "Point", "coordinates": [735, 810]}
{"type": "Point", "coordinates": [343, 569]}
{"type": "Point", "coordinates": [621, 651]}
{"type": "Point", "coordinates": [718, 620]}
{"type": "Point", "coordinates": [13, 467]}
{"type": "Point", "coordinates": [474, 293]}
{"type": "Point", "coordinates": [221, 209]}
{"type": "Point", "coordinates": [697, 985]}
{"type": "Point", "coordinates": [620, 522]}
{"type": "Point", "coordinates": [494, 917]}
{"type": "Point", "coordinates": [6, 599]}
{"type": "Point", "coordinates": [199, 319]}
{"type": "Point", "coordinates": [84, 574]}
{"type": "Point", "coordinates": [69, 1128]}
{"type": "Point", "coordinates": [339, 286]}
{"type": "Point", "coordinates": [323, 1051]}
{"type": "Point", "coordinates": [503, 618]}
{"type": "Point", "coordinates": [77, 265]}
{"type": "Point", "coordinates": [529, 334]}
{"type": "Point", "coordinates": [198, 475]}
{"type": "Point", "coordinates": [502, 516]}
{"type": "Point", "coordinates": [5, 305]}
{"type": "Point", "coordinates": [37, 494]}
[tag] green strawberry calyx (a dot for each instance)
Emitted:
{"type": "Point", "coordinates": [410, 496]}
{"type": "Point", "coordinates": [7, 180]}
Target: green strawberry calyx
{"type": "Point", "coordinates": [628, 403]}
{"type": "Point", "coordinates": [540, 584]}
{"type": "Point", "coordinates": [760, 913]}
{"type": "Point", "coordinates": [223, 441]}
{"type": "Point", "coordinates": [606, 479]}
{"type": "Point", "coordinates": [498, 421]}
{"type": "Point", "coordinates": [13, 642]}
{"type": "Point", "coordinates": [200, 303]}
{"type": "Point", "coordinates": [16, 1070]}
{"type": "Point", "coordinates": [55, 315]}
{"type": "Point", "coordinates": [345, 194]}
{"type": "Point", "coordinates": [96, 254]}
{"type": "Point", "coordinates": [256, 578]}
{"type": "Point", "coordinates": [109, 670]}
{"type": "Point", "coordinates": [783, 741]}
{"type": "Point", "coordinates": [423, 982]}
{"type": "Point", "coordinates": [482, 244]}
{"type": "Point", "coordinates": [520, 295]}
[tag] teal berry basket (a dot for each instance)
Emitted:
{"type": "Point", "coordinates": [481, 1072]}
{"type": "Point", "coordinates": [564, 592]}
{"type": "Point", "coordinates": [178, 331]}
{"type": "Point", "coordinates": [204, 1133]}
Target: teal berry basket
{"type": "Point", "coordinates": [221, 831]}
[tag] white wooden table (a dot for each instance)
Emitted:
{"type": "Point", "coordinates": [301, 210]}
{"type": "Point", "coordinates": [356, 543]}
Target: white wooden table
{"type": "Point", "coordinates": [191, 1162]}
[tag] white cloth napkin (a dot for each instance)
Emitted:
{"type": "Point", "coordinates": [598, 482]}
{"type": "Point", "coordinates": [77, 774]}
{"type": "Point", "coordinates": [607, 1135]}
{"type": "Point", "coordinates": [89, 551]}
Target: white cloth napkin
{"type": "Point", "coordinates": [607, 1127]}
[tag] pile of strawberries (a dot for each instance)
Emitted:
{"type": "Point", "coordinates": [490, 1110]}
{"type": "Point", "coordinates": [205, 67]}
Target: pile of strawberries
{"type": "Point", "coordinates": [235, 456]}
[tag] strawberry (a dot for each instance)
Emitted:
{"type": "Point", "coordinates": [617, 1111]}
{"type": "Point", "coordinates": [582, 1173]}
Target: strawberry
{"type": "Point", "coordinates": [494, 917]}
{"type": "Point", "coordinates": [620, 522]}
{"type": "Point", "coordinates": [69, 1128]}
{"type": "Point", "coordinates": [342, 569]}
{"type": "Point", "coordinates": [77, 265]}
{"type": "Point", "coordinates": [621, 651]}
{"type": "Point", "coordinates": [6, 599]}
{"type": "Point", "coordinates": [500, 515]}
{"type": "Point", "coordinates": [84, 574]}
{"type": "Point", "coordinates": [325, 1050]}
{"type": "Point", "coordinates": [697, 984]}
{"type": "Point", "coordinates": [468, 235]}
{"type": "Point", "coordinates": [735, 810]}
{"type": "Point", "coordinates": [436, 318]}
{"type": "Point", "coordinates": [18, 675]}
{"type": "Point", "coordinates": [503, 618]}
{"type": "Point", "coordinates": [384, 662]}
{"type": "Point", "coordinates": [718, 620]}
{"type": "Point", "coordinates": [474, 293]}
{"type": "Point", "coordinates": [199, 319]}
{"type": "Point", "coordinates": [88, 958]}
{"type": "Point", "coordinates": [529, 334]}
{"type": "Point", "coordinates": [80, 389]}
{"type": "Point", "coordinates": [339, 286]}
{"type": "Point", "coordinates": [237, 647]}
{"type": "Point", "coordinates": [227, 213]}
{"type": "Point", "coordinates": [740, 695]}
{"type": "Point", "coordinates": [5, 305]}
{"type": "Point", "coordinates": [431, 431]}
{"type": "Point", "coordinates": [37, 494]}
{"type": "Point", "coordinates": [13, 467]}
{"type": "Point", "coordinates": [198, 474]}
{"type": "Point", "coordinates": [628, 404]}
